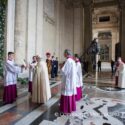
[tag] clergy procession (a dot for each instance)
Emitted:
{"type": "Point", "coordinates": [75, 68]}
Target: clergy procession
{"type": "Point", "coordinates": [40, 73]}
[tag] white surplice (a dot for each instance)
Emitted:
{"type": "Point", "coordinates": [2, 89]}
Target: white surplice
{"type": "Point", "coordinates": [11, 70]}
{"type": "Point", "coordinates": [79, 79]}
{"type": "Point", "coordinates": [41, 85]}
{"type": "Point", "coordinates": [121, 75]}
{"type": "Point", "coordinates": [69, 78]}
{"type": "Point", "coordinates": [31, 69]}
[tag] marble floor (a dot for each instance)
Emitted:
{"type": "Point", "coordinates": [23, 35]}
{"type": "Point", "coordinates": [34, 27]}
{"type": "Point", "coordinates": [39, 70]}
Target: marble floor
{"type": "Point", "coordinates": [102, 104]}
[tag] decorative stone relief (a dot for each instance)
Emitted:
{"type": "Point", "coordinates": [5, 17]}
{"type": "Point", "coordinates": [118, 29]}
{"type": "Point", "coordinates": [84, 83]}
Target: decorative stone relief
{"type": "Point", "coordinates": [48, 19]}
{"type": "Point", "coordinates": [100, 1]}
{"type": "Point", "coordinates": [111, 12]}
{"type": "Point", "coordinates": [49, 11]}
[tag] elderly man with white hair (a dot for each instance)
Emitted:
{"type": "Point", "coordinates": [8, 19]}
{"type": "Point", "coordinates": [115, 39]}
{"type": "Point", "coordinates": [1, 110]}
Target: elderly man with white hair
{"type": "Point", "coordinates": [121, 73]}
{"type": "Point", "coordinates": [41, 87]}
{"type": "Point", "coordinates": [67, 101]}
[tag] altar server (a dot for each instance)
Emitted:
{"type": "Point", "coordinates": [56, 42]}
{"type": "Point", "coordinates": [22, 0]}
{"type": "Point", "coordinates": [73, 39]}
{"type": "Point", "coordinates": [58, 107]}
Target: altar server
{"type": "Point", "coordinates": [79, 81]}
{"type": "Point", "coordinates": [31, 69]}
{"type": "Point", "coordinates": [68, 86]}
{"type": "Point", "coordinates": [11, 70]}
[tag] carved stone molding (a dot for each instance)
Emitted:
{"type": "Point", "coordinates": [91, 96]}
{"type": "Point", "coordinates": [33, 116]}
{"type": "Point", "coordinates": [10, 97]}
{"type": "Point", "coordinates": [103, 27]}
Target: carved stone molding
{"type": "Point", "coordinates": [100, 1]}
{"type": "Point", "coordinates": [48, 19]}
{"type": "Point", "coordinates": [105, 3]}
{"type": "Point", "coordinates": [87, 2]}
{"type": "Point", "coordinates": [122, 3]}
{"type": "Point", "coordinates": [72, 3]}
{"type": "Point", "coordinates": [93, 3]}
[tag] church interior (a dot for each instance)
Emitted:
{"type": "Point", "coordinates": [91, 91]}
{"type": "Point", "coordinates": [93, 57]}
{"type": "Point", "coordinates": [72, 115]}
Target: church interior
{"type": "Point", "coordinates": [38, 27]}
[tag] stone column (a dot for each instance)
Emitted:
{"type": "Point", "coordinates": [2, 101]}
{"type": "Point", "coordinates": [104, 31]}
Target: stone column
{"type": "Point", "coordinates": [87, 24]}
{"type": "Point", "coordinates": [39, 29]}
{"type": "Point", "coordinates": [10, 25]}
{"type": "Point", "coordinates": [61, 31]}
{"type": "Point", "coordinates": [87, 29]}
{"type": "Point", "coordinates": [32, 29]}
{"type": "Point", "coordinates": [114, 41]}
{"type": "Point", "coordinates": [58, 28]}
{"type": "Point", "coordinates": [78, 30]}
{"type": "Point", "coordinates": [122, 28]}
{"type": "Point", "coordinates": [20, 37]}
{"type": "Point", "coordinates": [69, 29]}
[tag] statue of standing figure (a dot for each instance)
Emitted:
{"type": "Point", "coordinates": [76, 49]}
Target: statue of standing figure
{"type": "Point", "coordinates": [93, 50]}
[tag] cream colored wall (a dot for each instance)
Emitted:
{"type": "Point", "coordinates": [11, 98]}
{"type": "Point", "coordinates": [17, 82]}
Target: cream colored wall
{"type": "Point", "coordinates": [10, 21]}
{"type": "Point", "coordinates": [61, 30]}
{"type": "Point", "coordinates": [49, 38]}
{"type": "Point", "coordinates": [31, 31]}
{"type": "Point", "coordinates": [49, 28]}
{"type": "Point", "coordinates": [68, 31]}
{"type": "Point", "coordinates": [78, 31]}
{"type": "Point", "coordinates": [65, 32]}
{"type": "Point", "coordinates": [20, 30]}
{"type": "Point", "coordinates": [42, 26]}
{"type": "Point", "coordinates": [28, 35]}
{"type": "Point", "coordinates": [39, 28]}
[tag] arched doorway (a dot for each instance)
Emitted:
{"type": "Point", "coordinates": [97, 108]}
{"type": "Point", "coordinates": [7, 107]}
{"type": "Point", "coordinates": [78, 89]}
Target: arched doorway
{"type": "Point", "coordinates": [105, 26]}
{"type": "Point", "coordinates": [105, 41]}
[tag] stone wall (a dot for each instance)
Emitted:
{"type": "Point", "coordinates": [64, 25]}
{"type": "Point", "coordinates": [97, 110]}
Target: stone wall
{"type": "Point", "coordinates": [28, 37]}
{"type": "Point", "coordinates": [107, 26]}
{"type": "Point", "coordinates": [42, 26]}
{"type": "Point", "coordinates": [62, 29]}
{"type": "Point", "coordinates": [49, 28]}
{"type": "Point", "coordinates": [21, 30]}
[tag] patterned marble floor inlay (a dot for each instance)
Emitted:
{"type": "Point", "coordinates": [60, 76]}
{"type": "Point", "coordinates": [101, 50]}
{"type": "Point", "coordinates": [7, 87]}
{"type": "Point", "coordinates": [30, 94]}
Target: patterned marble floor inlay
{"type": "Point", "coordinates": [94, 111]}
{"type": "Point", "coordinates": [101, 105]}
{"type": "Point", "coordinates": [111, 89]}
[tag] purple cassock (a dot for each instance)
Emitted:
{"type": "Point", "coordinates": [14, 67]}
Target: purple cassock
{"type": "Point", "coordinates": [79, 80]}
